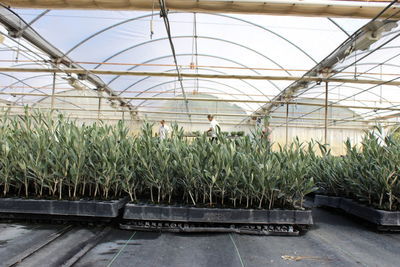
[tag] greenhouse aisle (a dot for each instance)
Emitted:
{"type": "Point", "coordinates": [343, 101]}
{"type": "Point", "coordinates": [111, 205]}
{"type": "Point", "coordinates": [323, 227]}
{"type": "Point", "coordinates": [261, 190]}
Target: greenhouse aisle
{"type": "Point", "coordinates": [335, 240]}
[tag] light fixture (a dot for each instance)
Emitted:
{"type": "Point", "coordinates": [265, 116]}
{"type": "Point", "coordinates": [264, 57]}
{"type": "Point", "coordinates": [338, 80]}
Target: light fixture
{"type": "Point", "coordinates": [372, 34]}
{"type": "Point", "coordinates": [78, 85]}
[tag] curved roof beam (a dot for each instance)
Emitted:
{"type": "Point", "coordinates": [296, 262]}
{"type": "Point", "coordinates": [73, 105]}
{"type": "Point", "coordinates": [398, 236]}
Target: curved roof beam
{"type": "Point", "coordinates": [340, 27]}
{"type": "Point", "coordinates": [202, 55]}
{"type": "Point", "coordinates": [62, 100]}
{"type": "Point", "coordinates": [365, 52]}
{"type": "Point", "coordinates": [29, 25]}
{"type": "Point", "coordinates": [220, 72]}
{"type": "Point", "coordinates": [22, 80]}
{"type": "Point", "coordinates": [199, 37]}
{"type": "Point", "coordinates": [170, 90]}
{"type": "Point", "coordinates": [68, 102]}
{"type": "Point", "coordinates": [15, 23]}
{"type": "Point", "coordinates": [40, 55]}
{"type": "Point", "coordinates": [352, 87]}
{"type": "Point", "coordinates": [45, 97]}
{"type": "Point", "coordinates": [220, 15]}
{"type": "Point", "coordinates": [348, 75]}
{"type": "Point", "coordinates": [212, 81]}
{"type": "Point", "coordinates": [151, 60]}
{"type": "Point", "coordinates": [65, 101]}
{"type": "Point", "coordinates": [205, 80]}
{"type": "Point", "coordinates": [188, 80]}
{"type": "Point", "coordinates": [26, 64]}
{"type": "Point", "coordinates": [363, 76]}
{"type": "Point", "coordinates": [33, 89]}
{"type": "Point", "coordinates": [265, 29]}
{"type": "Point", "coordinates": [383, 64]}
{"type": "Point", "coordinates": [319, 108]}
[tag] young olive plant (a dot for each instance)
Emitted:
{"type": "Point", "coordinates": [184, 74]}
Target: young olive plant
{"type": "Point", "coordinates": [50, 156]}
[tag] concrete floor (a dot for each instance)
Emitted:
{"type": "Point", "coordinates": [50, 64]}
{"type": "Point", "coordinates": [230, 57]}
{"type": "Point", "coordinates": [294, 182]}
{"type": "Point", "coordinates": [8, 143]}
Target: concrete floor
{"type": "Point", "coordinates": [335, 240]}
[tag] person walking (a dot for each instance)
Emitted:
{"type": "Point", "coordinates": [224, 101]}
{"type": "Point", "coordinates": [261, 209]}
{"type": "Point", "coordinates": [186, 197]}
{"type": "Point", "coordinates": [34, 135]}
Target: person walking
{"type": "Point", "coordinates": [163, 130]}
{"type": "Point", "coordinates": [214, 128]}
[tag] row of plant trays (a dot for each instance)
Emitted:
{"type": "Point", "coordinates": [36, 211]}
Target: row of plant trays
{"type": "Point", "coordinates": [133, 213]}
{"type": "Point", "coordinates": [381, 218]}
{"type": "Point", "coordinates": [26, 208]}
{"type": "Point", "coordinates": [162, 218]}
{"type": "Point", "coordinates": [215, 215]}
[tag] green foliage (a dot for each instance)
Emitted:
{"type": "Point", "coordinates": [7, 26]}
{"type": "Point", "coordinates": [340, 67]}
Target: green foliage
{"type": "Point", "coordinates": [369, 174]}
{"type": "Point", "coordinates": [48, 157]}
{"type": "Point", "coordinates": [240, 133]}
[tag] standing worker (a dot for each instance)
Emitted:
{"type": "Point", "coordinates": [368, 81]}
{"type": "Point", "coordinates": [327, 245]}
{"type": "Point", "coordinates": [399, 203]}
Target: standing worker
{"type": "Point", "coordinates": [163, 130]}
{"type": "Point", "coordinates": [214, 128]}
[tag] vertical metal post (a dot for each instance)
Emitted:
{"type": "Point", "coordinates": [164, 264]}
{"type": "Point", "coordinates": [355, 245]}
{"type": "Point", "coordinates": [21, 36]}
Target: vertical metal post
{"type": "Point", "coordinates": [287, 124]}
{"type": "Point", "coordinates": [99, 105]}
{"type": "Point", "coordinates": [326, 113]}
{"type": "Point", "coordinates": [53, 90]}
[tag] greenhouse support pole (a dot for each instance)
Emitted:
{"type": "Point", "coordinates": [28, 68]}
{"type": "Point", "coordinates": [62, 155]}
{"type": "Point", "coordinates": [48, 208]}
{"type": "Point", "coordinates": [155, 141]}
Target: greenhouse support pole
{"type": "Point", "coordinates": [53, 91]}
{"type": "Point", "coordinates": [287, 124]}
{"type": "Point", "coordinates": [99, 105]}
{"type": "Point", "coordinates": [326, 114]}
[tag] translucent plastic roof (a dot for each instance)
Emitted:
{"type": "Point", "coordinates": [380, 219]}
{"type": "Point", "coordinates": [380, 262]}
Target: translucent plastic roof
{"type": "Point", "coordinates": [205, 44]}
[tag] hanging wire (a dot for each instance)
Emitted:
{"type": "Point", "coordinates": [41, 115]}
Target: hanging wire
{"type": "Point", "coordinates": [164, 15]}
{"type": "Point", "coordinates": [151, 22]}
{"type": "Point", "coordinates": [194, 64]}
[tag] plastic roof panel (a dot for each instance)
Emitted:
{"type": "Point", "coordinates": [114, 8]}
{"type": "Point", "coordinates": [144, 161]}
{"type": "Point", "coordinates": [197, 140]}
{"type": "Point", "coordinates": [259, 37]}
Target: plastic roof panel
{"type": "Point", "coordinates": [222, 44]}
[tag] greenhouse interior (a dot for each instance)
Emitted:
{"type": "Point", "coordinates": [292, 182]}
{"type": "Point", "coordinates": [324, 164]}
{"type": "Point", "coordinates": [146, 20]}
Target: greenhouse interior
{"type": "Point", "coordinates": [199, 133]}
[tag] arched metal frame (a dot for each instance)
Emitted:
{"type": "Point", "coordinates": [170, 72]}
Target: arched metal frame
{"type": "Point", "coordinates": [362, 90]}
{"type": "Point", "coordinates": [38, 54]}
{"type": "Point", "coordinates": [224, 84]}
{"type": "Point", "coordinates": [197, 37]}
{"type": "Point", "coordinates": [220, 72]}
{"type": "Point", "coordinates": [206, 80]}
{"type": "Point", "coordinates": [371, 52]}
{"type": "Point", "coordinates": [169, 90]}
{"type": "Point", "coordinates": [226, 16]}
{"type": "Point", "coordinates": [350, 57]}
{"type": "Point", "coordinates": [340, 27]}
{"type": "Point", "coordinates": [348, 86]}
{"type": "Point", "coordinates": [200, 13]}
{"type": "Point", "coordinates": [202, 55]}
{"type": "Point", "coordinates": [200, 37]}
{"type": "Point", "coordinates": [360, 74]}
{"type": "Point", "coordinates": [147, 77]}
{"type": "Point", "coordinates": [33, 89]}
{"type": "Point", "coordinates": [204, 13]}
{"type": "Point", "coordinates": [28, 25]}
{"type": "Point", "coordinates": [65, 91]}
{"type": "Point", "coordinates": [22, 80]}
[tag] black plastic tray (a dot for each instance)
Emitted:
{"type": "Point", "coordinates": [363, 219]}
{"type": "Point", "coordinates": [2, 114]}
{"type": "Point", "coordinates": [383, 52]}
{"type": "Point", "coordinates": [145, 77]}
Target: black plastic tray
{"type": "Point", "coordinates": [379, 217]}
{"type": "Point", "coordinates": [86, 208]}
{"type": "Point", "coordinates": [148, 212]}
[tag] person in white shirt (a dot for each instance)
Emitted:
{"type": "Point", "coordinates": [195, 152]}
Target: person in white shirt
{"type": "Point", "coordinates": [163, 130]}
{"type": "Point", "coordinates": [214, 128]}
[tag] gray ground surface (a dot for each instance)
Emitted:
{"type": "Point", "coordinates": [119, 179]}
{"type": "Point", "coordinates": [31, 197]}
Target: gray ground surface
{"type": "Point", "coordinates": [335, 240]}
